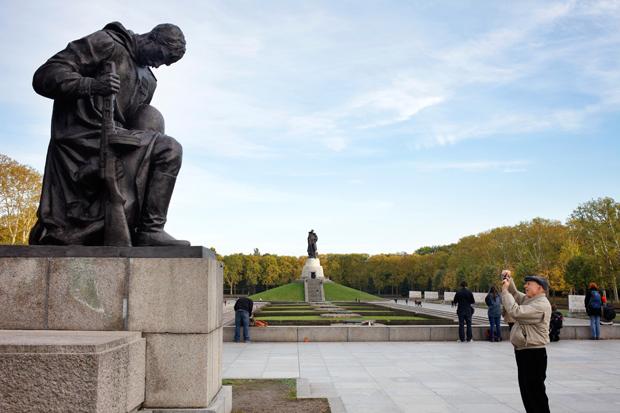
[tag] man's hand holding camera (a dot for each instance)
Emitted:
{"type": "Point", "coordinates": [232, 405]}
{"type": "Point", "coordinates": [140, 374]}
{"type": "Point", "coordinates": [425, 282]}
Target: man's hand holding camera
{"type": "Point", "coordinates": [506, 277]}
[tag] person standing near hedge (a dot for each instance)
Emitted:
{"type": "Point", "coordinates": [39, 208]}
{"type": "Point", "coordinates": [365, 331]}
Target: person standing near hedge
{"type": "Point", "coordinates": [594, 305]}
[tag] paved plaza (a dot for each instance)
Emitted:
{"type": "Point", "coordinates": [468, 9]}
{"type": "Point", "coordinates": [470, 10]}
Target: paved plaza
{"type": "Point", "coordinates": [429, 377]}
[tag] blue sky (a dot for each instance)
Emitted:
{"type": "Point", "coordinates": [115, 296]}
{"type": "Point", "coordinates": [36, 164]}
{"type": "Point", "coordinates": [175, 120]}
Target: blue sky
{"type": "Point", "coordinates": [382, 125]}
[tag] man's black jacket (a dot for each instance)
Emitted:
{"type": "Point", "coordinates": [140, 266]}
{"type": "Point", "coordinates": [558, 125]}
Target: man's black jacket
{"type": "Point", "coordinates": [244, 303]}
{"type": "Point", "coordinates": [464, 298]}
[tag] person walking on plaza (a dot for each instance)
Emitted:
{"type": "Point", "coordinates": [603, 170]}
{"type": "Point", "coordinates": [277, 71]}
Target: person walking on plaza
{"type": "Point", "coordinates": [243, 312]}
{"type": "Point", "coordinates": [529, 335]}
{"type": "Point", "coordinates": [494, 302]}
{"type": "Point", "coordinates": [594, 305]}
{"type": "Point", "coordinates": [464, 299]}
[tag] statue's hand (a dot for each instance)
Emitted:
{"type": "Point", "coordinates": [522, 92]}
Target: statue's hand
{"type": "Point", "coordinates": [106, 84]}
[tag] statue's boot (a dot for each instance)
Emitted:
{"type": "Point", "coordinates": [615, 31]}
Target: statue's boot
{"type": "Point", "coordinates": [151, 229]}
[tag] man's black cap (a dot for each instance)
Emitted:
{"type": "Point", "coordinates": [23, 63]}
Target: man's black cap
{"type": "Point", "coordinates": [538, 279]}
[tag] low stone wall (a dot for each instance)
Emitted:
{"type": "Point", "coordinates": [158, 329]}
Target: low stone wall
{"type": "Point", "coordinates": [393, 333]}
{"type": "Point", "coordinates": [479, 297]}
{"type": "Point", "coordinates": [431, 295]}
{"type": "Point", "coordinates": [576, 303]}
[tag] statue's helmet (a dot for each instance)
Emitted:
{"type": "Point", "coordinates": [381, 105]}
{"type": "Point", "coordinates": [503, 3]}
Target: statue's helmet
{"type": "Point", "coordinates": [147, 117]}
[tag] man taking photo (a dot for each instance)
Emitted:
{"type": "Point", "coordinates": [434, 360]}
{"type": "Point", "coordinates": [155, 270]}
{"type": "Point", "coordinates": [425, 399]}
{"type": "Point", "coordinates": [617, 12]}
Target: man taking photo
{"type": "Point", "coordinates": [529, 335]}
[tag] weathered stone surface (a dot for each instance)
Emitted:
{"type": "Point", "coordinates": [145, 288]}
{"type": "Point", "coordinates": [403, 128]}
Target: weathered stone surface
{"type": "Point", "coordinates": [136, 373]}
{"type": "Point", "coordinates": [445, 333]}
{"type": "Point", "coordinates": [69, 371]}
{"type": "Point", "coordinates": [215, 349]}
{"type": "Point", "coordinates": [221, 403]}
{"type": "Point", "coordinates": [410, 333]}
{"type": "Point", "coordinates": [22, 293]}
{"type": "Point", "coordinates": [182, 370]}
{"type": "Point", "coordinates": [322, 333]}
{"type": "Point", "coordinates": [271, 334]}
{"type": "Point", "coordinates": [582, 333]}
{"type": "Point", "coordinates": [364, 333]}
{"type": "Point", "coordinates": [87, 293]}
{"type": "Point", "coordinates": [175, 295]}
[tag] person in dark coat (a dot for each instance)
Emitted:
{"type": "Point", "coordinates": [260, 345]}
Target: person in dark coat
{"type": "Point", "coordinates": [243, 311]}
{"type": "Point", "coordinates": [72, 206]}
{"type": "Point", "coordinates": [464, 300]}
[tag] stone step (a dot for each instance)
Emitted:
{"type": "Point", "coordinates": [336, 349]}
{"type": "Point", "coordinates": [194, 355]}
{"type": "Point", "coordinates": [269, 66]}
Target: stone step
{"type": "Point", "coordinates": [70, 371]}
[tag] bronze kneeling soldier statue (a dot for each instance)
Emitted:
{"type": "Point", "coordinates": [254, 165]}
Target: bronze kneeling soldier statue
{"type": "Point", "coordinates": [108, 155]}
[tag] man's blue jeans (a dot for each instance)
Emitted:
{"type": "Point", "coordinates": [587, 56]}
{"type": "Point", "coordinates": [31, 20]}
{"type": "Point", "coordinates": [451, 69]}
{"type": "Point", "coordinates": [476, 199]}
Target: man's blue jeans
{"type": "Point", "coordinates": [595, 325]}
{"type": "Point", "coordinates": [242, 317]}
{"type": "Point", "coordinates": [464, 318]}
{"type": "Point", "coordinates": [495, 332]}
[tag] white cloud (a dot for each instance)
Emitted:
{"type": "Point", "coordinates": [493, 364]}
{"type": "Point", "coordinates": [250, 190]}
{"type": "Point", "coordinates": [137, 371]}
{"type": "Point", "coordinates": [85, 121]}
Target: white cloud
{"type": "Point", "coordinates": [472, 166]}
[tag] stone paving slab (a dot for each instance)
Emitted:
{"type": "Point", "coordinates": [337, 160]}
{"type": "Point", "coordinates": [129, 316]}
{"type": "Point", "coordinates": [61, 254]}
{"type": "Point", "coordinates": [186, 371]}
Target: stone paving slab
{"type": "Point", "coordinates": [583, 376]}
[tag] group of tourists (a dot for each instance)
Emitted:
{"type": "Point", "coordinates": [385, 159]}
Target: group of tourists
{"type": "Point", "coordinates": [533, 323]}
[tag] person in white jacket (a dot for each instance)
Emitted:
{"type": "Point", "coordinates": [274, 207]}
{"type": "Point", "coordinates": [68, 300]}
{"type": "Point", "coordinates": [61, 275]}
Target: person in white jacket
{"type": "Point", "coordinates": [529, 335]}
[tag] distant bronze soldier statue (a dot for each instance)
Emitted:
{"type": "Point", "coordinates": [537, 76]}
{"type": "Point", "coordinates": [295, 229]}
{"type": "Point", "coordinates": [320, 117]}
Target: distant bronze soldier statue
{"type": "Point", "coordinates": [107, 74]}
{"type": "Point", "coordinates": [312, 239]}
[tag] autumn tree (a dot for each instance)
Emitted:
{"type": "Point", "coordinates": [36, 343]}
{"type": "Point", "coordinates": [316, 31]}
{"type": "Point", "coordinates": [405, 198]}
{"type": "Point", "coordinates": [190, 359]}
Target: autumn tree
{"type": "Point", "coordinates": [233, 270]}
{"type": "Point", "coordinates": [596, 224]}
{"type": "Point", "coordinates": [20, 189]}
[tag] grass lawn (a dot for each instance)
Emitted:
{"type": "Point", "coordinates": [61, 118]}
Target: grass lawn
{"type": "Point", "coordinates": [273, 396]}
{"type": "Point", "coordinates": [287, 292]}
{"type": "Point", "coordinates": [289, 317]}
{"type": "Point", "coordinates": [317, 317]}
{"type": "Point", "coordinates": [295, 292]}
{"type": "Point", "coordinates": [277, 310]}
{"type": "Point", "coordinates": [338, 292]}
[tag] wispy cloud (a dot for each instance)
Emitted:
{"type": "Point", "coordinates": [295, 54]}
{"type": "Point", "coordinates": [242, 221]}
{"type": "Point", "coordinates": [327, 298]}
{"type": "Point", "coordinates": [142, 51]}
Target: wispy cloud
{"type": "Point", "coordinates": [473, 166]}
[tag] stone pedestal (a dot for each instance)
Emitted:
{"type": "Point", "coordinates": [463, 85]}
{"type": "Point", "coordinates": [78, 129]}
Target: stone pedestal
{"type": "Point", "coordinates": [312, 269]}
{"type": "Point", "coordinates": [69, 371]}
{"type": "Point", "coordinates": [171, 296]}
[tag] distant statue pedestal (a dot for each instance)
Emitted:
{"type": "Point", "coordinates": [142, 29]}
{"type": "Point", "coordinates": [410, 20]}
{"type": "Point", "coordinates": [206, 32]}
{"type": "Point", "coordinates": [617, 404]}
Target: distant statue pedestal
{"type": "Point", "coordinates": [312, 269]}
{"type": "Point", "coordinates": [313, 278]}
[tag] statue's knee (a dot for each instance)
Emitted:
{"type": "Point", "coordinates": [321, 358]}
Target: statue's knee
{"type": "Point", "coordinates": [168, 151]}
{"type": "Point", "coordinates": [170, 145]}
{"type": "Point", "coordinates": [147, 117]}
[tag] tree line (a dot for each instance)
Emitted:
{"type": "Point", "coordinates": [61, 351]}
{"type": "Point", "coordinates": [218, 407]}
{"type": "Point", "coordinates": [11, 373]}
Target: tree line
{"type": "Point", "coordinates": [585, 248]}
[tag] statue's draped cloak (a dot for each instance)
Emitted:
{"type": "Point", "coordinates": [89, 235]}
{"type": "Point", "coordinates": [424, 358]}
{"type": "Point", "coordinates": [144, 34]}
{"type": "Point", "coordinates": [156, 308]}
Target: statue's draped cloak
{"type": "Point", "coordinates": [71, 208]}
{"type": "Point", "coordinates": [312, 240]}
